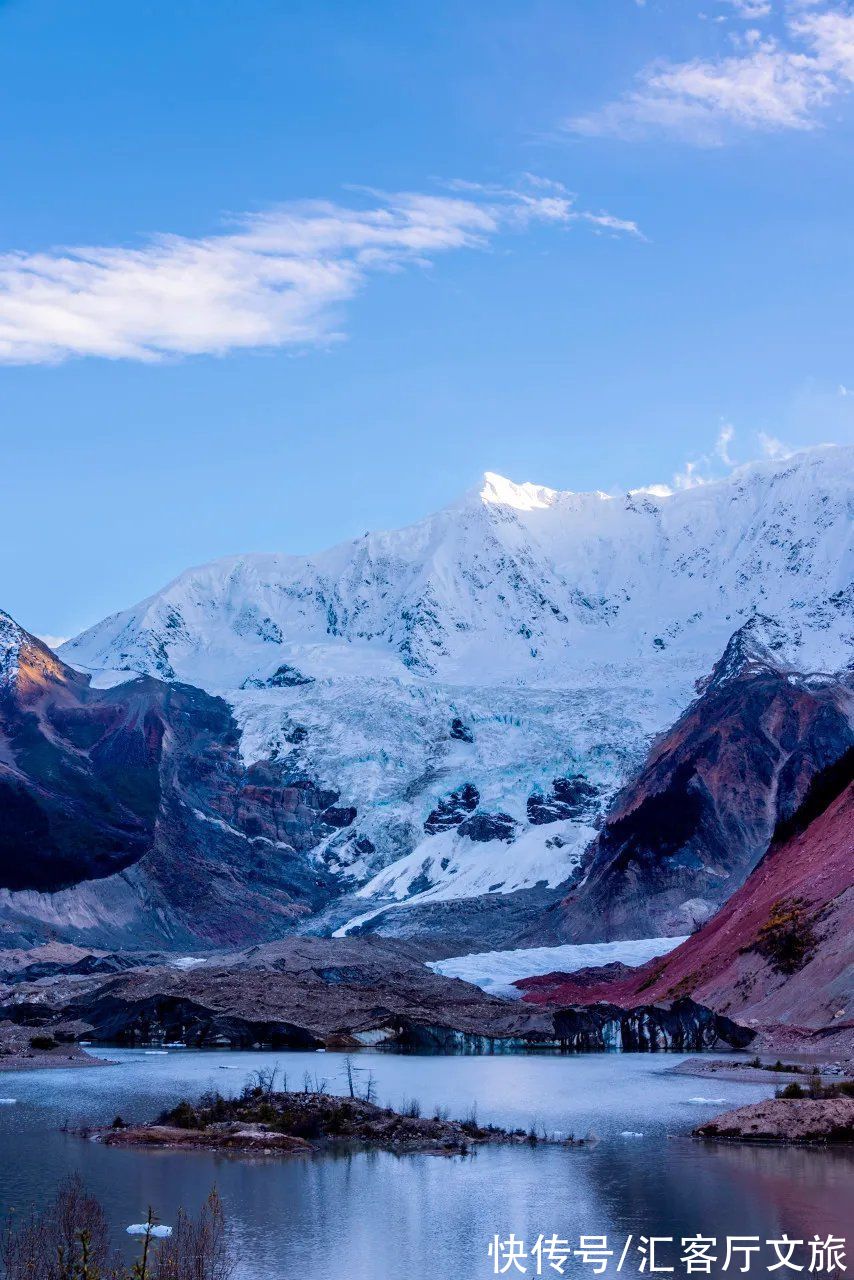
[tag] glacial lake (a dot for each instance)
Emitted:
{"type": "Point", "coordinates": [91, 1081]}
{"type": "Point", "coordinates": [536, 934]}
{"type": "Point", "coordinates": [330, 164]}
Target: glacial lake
{"type": "Point", "coordinates": [376, 1215]}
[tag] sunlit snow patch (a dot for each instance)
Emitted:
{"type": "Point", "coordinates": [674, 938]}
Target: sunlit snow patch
{"type": "Point", "coordinates": [496, 971]}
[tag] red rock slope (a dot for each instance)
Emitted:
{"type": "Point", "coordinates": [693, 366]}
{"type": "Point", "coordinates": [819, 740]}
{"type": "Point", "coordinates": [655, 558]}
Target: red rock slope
{"type": "Point", "coordinates": [781, 950]}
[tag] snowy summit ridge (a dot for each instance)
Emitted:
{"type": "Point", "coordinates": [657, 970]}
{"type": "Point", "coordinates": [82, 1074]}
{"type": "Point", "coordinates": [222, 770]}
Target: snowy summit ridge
{"type": "Point", "coordinates": [519, 635]}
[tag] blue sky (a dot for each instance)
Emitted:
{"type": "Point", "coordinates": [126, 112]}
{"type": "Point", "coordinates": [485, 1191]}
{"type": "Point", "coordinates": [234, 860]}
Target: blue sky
{"type": "Point", "coordinates": [272, 274]}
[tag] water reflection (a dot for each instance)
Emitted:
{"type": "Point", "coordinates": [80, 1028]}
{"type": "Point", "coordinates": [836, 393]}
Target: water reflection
{"type": "Point", "coordinates": [426, 1216]}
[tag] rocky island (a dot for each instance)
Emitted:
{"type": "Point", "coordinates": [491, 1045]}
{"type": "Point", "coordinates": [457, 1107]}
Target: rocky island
{"type": "Point", "coordinates": [266, 1121]}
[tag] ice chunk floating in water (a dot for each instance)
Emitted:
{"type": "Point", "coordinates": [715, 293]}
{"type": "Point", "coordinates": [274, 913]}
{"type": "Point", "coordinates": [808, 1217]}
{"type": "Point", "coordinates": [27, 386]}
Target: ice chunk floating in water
{"type": "Point", "coordinates": [496, 971]}
{"type": "Point", "coordinates": [143, 1229]}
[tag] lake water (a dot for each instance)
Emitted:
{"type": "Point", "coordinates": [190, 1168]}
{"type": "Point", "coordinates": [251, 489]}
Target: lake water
{"type": "Point", "coordinates": [377, 1215]}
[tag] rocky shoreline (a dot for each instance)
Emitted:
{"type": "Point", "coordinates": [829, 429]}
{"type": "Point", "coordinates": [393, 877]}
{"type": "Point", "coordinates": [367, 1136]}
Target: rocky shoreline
{"type": "Point", "coordinates": [753, 1071]}
{"type": "Point", "coordinates": [785, 1122]}
{"type": "Point", "coordinates": [22, 1049]}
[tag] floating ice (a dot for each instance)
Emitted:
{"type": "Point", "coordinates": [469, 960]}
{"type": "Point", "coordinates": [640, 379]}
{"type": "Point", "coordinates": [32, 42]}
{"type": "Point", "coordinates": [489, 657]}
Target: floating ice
{"type": "Point", "coordinates": [143, 1229]}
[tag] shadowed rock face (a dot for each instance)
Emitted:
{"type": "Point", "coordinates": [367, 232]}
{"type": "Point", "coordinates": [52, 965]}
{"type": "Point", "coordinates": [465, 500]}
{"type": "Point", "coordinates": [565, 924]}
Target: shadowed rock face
{"type": "Point", "coordinates": [482, 827]}
{"type": "Point", "coordinates": [683, 1027]}
{"type": "Point", "coordinates": [690, 828]}
{"type": "Point", "coordinates": [145, 781]}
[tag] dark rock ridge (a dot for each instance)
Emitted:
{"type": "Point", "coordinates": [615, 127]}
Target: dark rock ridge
{"type": "Point", "coordinates": [451, 810]}
{"type": "Point", "coordinates": [686, 833]}
{"type": "Point", "coordinates": [778, 954]}
{"type": "Point", "coordinates": [142, 788]}
{"type": "Point", "coordinates": [459, 810]}
{"type": "Point", "coordinates": [284, 677]}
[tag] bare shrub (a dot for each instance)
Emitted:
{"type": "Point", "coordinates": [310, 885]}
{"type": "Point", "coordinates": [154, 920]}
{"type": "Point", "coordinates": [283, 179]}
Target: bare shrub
{"type": "Point", "coordinates": [69, 1240]}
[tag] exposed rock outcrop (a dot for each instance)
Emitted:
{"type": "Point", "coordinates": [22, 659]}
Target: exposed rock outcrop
{"type": "Point", "coordinates": [569, 798]}
{"type": "Point", "coordinates": [482, 827]}
{"type": "Point", "coordinates": [451, 810]}
{"type": "Point", "coordinates": [460, 730]}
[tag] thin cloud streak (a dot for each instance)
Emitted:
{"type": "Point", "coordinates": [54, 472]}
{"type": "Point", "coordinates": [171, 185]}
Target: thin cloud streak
{"type": "Point", "coordinates": [279, 279]}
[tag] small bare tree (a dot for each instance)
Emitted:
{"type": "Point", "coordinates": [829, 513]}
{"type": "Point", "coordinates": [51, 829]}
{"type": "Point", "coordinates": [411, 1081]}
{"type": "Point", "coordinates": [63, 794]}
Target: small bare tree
{"type": "Point", "coordinates": [197, 1249]}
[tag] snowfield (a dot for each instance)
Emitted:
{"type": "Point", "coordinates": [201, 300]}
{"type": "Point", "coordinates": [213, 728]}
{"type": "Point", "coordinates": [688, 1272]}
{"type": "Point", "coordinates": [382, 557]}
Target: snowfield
{"type": "Point", "coordinates": [520, 635]}
{"type": "Point", "coordinates": [496, 971]}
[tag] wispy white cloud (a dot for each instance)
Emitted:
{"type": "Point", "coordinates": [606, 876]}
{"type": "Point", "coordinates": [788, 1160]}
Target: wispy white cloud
{"type": "Point", "coordinates": [769, 82]}
{"type": "Point", "coordinates": [718, 461]}
{"type": "Point", "coordinates": [751, 10]}
{"type": "Point", "coordinates": [53, 642]}
{"type": "Point", "coordinates": [277, 279]}
{"type": "Point", "coordinates": [690, 476]}
{"type": "Point", "coordinates": [725, 438]}
{"type": "Point", "coordinates": [774, 448]}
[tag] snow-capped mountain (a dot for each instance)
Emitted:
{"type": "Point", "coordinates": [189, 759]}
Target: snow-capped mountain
{"type": "Point", "coordinates": [478, 685]}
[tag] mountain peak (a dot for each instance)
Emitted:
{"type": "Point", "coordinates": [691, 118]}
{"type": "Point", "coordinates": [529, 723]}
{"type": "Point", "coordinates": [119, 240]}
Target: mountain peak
{"type": "Point", "coordinates": [10, 644]}
{"type": "Point", "coordinates": [26, 662]}
{"type": "Point", "coordinates": [756, 646]}
{"type": "Point", "coordinates": [499, 491]}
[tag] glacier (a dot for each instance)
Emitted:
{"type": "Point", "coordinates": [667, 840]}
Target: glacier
{"type": "Point", "coordinates": [497, 971]}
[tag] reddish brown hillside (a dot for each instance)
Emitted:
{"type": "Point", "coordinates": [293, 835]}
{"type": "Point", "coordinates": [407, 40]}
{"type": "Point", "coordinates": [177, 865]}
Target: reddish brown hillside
{"type": "Point", "coordinates": [781, 950]}
{"type": "Point", "coordinates": [687, 831]}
